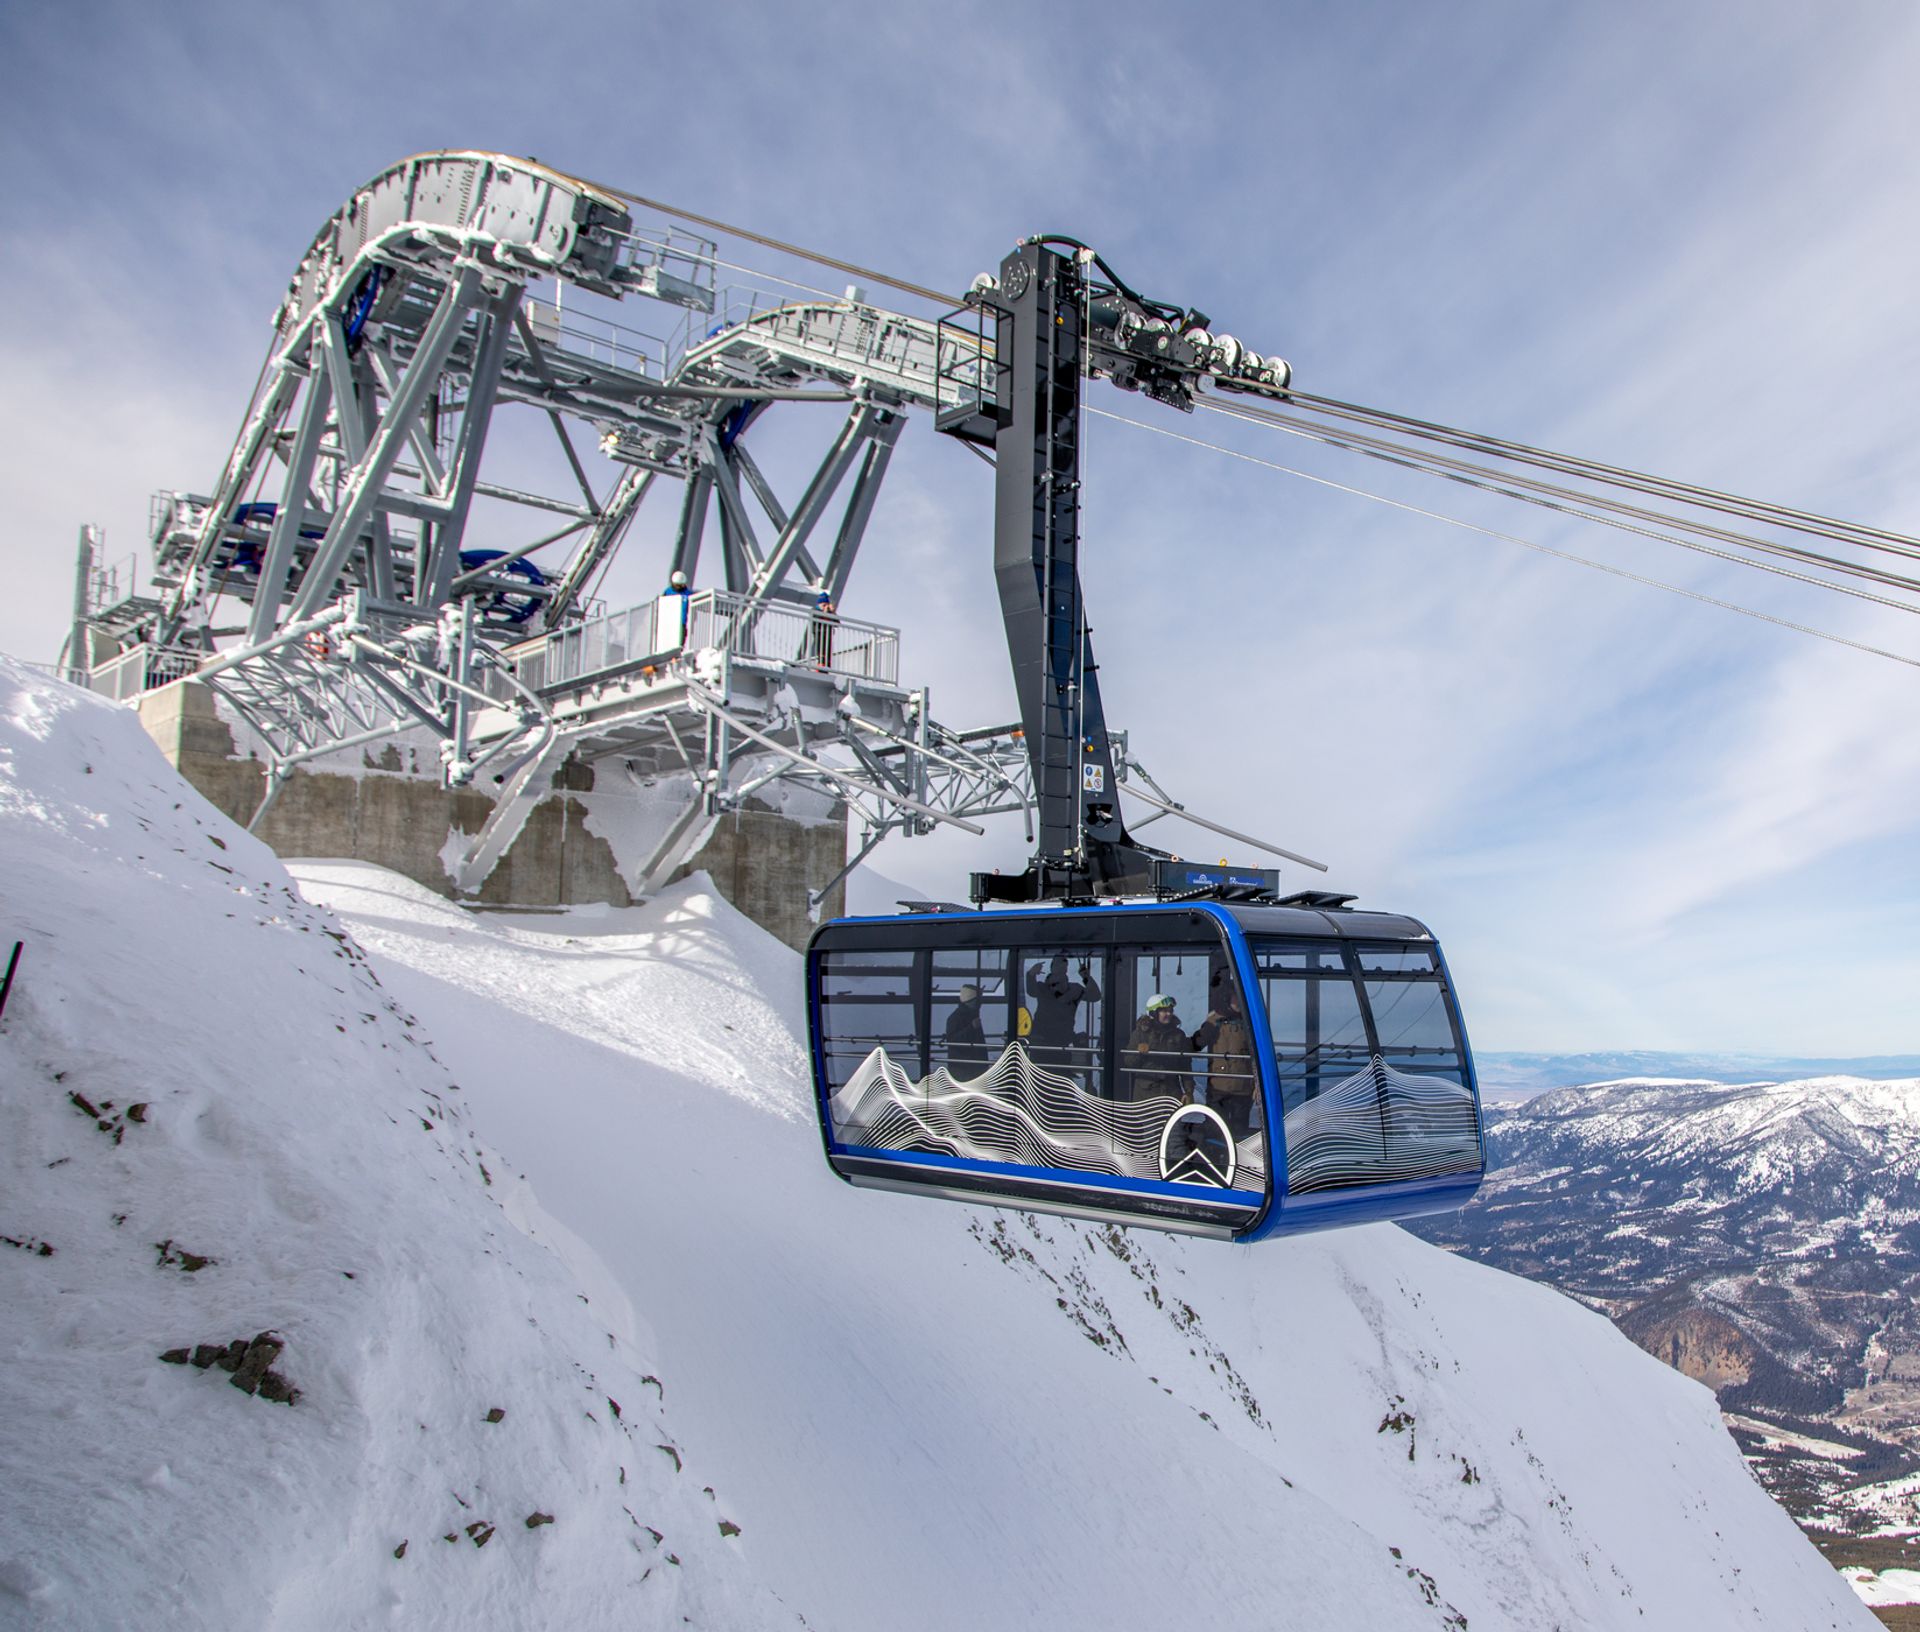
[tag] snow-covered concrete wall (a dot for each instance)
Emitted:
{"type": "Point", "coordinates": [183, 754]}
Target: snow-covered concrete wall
{"type": "Point", "coordinates": [588, 842]}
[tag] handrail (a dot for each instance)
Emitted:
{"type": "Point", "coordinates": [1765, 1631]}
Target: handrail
{"type": "Point", "coordinates": [756, 631]}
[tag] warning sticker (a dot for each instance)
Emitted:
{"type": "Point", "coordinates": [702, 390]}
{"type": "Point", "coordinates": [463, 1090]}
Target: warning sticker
{"type": "Point", "coordinates": [1093, 779]}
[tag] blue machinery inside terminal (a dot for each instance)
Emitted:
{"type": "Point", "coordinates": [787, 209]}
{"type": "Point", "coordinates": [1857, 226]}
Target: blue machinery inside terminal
{"type": "Point", "coordinates": [1144, 1038]}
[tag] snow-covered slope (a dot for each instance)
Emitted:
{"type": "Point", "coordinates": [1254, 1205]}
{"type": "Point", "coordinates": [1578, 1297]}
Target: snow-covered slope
{"type": "Point", "coordinates": [216, 1123]}
{"type": "Point", "coordinates": [914, 1414]}
{"type": "Point", "coordinates": [936, 1416]}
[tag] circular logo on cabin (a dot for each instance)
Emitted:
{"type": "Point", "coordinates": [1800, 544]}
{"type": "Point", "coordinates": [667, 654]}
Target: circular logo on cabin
{"type": "Point", "coordinates": [1196, 1147]}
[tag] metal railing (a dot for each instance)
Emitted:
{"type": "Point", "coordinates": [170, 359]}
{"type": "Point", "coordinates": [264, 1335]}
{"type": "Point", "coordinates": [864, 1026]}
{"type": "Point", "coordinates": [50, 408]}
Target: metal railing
{"type": "Point", "coordinates": [864, 342]}
{"type": "Point", "coordinates": [964, 375]}
{"type": "Point", "coordinates": [598, 646]}
{"type": "Point", "coordinates": [599, 339]}
{"type": "Point", "coordinates": [142, 669]}
{"type": "Point", "coordinates": [781, 633]}
{"type": "Point", "coordinates": [714, 620]}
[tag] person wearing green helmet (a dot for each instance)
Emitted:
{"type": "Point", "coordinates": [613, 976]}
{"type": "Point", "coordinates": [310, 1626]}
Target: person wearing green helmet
{"type": "Point", "coordinates": [1158, 1052]}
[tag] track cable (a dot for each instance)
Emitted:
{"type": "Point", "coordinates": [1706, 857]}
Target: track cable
{"type": "Point", "coordinates": [1359, 442]}
{"type": "Point", "coordinates": [1574, 503]}
{"type": "Point", "coordinates": [1616, 475]}
{"type": "Point", "coordinates": [1514, 538]}
{"type": "Point", "coordinates": [1497, 483]}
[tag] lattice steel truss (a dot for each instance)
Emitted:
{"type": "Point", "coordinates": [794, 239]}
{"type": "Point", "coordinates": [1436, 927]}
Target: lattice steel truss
{"type": "Point", "coordinates": [339, 520]}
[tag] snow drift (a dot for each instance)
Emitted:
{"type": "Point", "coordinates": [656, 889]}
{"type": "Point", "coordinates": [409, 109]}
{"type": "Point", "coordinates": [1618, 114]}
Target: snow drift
{"type": "Point", "coordinates": [218, 1126]}
{"type": "Point", "coordinates": [872, 1411]}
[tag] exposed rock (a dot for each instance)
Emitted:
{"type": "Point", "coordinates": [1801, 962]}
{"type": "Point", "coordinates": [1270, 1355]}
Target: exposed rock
{"type": "Point", "coordinates": [1763, 1238]}
{"type": "Point", "coordinates": [1699, 1342]}
{"type": "Point", "coordinates": [250, 1360]}
{"type": "Point", "coordinates": [190, 1263]}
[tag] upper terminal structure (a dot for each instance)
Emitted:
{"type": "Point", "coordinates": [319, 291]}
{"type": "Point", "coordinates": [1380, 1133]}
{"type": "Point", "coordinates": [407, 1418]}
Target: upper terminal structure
{"type": "Point", "coordinates": [353, 580]}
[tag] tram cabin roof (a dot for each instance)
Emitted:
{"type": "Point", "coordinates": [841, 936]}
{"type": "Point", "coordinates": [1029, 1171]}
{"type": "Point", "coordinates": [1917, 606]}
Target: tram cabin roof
{"type": "Point", "coordinates": [1115, 922]}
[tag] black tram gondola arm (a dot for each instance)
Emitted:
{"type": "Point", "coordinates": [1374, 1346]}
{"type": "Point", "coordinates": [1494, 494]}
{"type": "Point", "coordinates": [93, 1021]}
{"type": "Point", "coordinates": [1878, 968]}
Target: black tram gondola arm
{"type": "Point", "coordinates": [1061, 315]}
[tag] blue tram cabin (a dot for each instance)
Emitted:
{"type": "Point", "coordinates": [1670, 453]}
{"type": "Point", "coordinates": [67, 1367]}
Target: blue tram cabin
{"type": "Point", "coordinates": [1219, 1069]}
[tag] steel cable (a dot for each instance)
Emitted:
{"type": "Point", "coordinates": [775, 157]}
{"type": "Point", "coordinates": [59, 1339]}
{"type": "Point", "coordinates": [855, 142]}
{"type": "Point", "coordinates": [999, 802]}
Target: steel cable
{"type": "Point", "coordinates": [1494, 482]}
{"type": "Point", "coordinates": [918, 289]}
{"type": "Point", "coordinates": [1512, 538]}
{"type": "Point", "coordinates": [1359, 442]}
{"type": "Point", "coordinates": [1616, 475]}
{"type": "Point", "coordinates": [1543, 494]}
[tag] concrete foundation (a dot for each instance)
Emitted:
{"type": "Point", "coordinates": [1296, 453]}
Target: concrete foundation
{"type": "Point", "coordinates": [400, 816]}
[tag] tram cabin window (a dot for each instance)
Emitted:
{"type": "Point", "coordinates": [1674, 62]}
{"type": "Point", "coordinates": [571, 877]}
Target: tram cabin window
{"type": "Point", "coordinates": [1313, 1012]}
{"type": "Point", "coordinates": [970, 1015]}
{"type": "Point", "coordinates": [1154, 1054]}
{"type": "Point", "coordinates": [869, 1002]}
{"type": "Point", "coordinates": [1371, 1067]}
{"type": "Point", "coordinates": [1062, 994]}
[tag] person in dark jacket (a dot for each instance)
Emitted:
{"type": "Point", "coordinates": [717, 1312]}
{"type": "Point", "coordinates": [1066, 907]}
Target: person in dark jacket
{"type": "Point", "coordinates": [1157, 1055]}
{"type": "Point", "coordinates": [966, 1037]}
{"type": "Point", "coordinates": [826, 618]}
{"type": "Point", "coordinates": [1228, 1041]}
{"type": "Point", "coordinates": [1056, 1004]}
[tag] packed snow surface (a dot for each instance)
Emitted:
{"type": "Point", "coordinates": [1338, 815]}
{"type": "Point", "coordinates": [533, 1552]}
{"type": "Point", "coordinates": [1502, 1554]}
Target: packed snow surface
{"type": "Point", "coordinates": [837, 1408]}
{"type": "Point", "coordinates": [217, 1125]}
{"type": "Point", "coordinates": [1885, 1586]}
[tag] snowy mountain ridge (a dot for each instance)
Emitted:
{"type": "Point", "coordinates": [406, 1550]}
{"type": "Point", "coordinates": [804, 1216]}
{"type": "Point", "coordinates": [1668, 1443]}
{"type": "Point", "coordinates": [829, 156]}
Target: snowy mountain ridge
{"type": "Point", "coordinates": [787, 1401]}
{"type": "Point", "coordinates": [1516, 1078]}
{"type": "Point", "coordinates": [1763, 1238]}
{"type": "Point", "coordinates": [1760, 1136]}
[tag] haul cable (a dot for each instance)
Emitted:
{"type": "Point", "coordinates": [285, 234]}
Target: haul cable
{"type": "Point", "coordinates": [1512, 538]}
{"type": "Point", "coordinates": [1594, 470]}
{"type": "Point", "coordinates": [1549, 497]}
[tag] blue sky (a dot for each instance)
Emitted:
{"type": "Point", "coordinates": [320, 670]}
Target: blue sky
{"type": "Point", "coordinates": [1677, 237]}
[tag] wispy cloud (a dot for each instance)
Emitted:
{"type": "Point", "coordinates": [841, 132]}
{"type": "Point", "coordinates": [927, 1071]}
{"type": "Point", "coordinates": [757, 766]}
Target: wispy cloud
{"type": "Point", "coordinates": [1673, 237]}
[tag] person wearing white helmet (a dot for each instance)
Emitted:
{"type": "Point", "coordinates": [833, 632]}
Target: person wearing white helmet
{"type": "Point", "coordinates": [674, 601]}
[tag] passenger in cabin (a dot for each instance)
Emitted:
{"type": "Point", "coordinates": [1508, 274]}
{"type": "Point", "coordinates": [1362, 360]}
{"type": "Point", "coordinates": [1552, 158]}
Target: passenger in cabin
{"type": "Point", "coordinates": [1228, 1040]}
{"type": "Point", "coordinates": [1056, 1005]}
{"type": "Point", "coordinates": [966, 1038]}
{"type": "Point", "coordinates": [1158, 1050]}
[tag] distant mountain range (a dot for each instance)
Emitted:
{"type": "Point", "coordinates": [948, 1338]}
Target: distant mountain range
{"type": "Point", "coordinates": [1508, 1078]}
{"type": "Point", "coordinates": [1762, 1238]}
